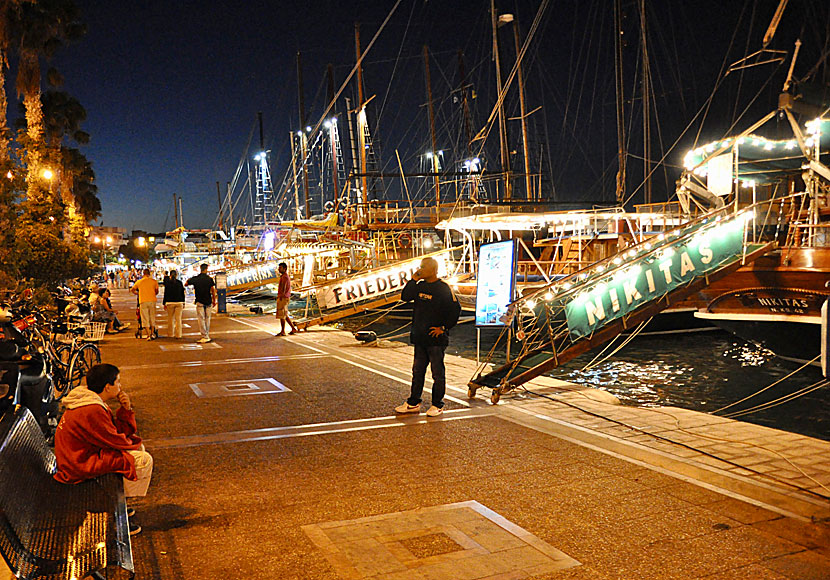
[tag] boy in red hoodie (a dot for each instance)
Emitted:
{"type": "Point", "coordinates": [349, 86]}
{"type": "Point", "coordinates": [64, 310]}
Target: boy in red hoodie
{"type": "Point", "coordinates": [91, 440]}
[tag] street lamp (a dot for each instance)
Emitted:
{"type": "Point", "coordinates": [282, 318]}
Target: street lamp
{"type": "Point", "coordinates": [101, 240]}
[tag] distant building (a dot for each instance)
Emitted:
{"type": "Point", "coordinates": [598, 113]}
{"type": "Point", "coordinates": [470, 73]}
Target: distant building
{"type": "Point", "coordinates": [110, 237]}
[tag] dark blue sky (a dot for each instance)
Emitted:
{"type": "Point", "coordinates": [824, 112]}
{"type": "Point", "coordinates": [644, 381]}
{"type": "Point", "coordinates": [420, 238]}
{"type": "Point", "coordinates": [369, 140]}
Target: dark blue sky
{"type": "Point", "coordinates": [172, 88]}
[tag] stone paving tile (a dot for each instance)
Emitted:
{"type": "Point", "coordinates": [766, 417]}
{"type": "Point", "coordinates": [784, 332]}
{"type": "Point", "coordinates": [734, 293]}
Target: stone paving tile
{"type": "Point", "coordinates": [741, 511]}
{"type": "Point", "coordinates": [800, 566]}
{"type": "Point", "coordinates": [753, 572]}
{"type": "Point", "coordinates": [693, 494]}
{"type": "Point", "coordinates": [810, 535]}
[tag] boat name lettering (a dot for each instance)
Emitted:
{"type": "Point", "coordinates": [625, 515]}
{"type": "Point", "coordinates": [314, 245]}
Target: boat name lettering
{"type": "Point", "coordinates": [785, 302]}
{"type": "Point", "coordinates": [372, 285]}
{"type": "Point", "coordinates": [650, 277]}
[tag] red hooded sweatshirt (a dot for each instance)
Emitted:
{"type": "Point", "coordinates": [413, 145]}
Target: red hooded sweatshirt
{"type": "Point", "coordinates": [91, 441]}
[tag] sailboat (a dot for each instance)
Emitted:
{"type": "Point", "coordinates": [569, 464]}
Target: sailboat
{"type": "Point", "coordinates": [776, 301]}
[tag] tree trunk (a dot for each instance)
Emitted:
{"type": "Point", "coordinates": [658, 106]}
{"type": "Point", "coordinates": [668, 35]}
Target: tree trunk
{"type": "Point", "coordinates": [4, 105]}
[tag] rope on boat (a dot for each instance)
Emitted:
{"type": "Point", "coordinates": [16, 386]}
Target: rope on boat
{"type": "Point", "coordinates": [805, 365]}
{"type": "Point", "coordinates": [594, 362]}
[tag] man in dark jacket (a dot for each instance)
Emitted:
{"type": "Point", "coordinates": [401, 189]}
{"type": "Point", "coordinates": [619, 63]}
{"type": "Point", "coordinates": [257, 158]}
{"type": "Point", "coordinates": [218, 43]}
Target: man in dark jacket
{"type": "Point", "coordinates": [204, 287]}
{"type": "Point", "coordinates": [434, 313]}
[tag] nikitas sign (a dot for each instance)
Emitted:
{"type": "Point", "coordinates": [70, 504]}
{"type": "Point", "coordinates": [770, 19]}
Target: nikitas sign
{"type": "Point", "coordinates": [253, 273]}
{"type": "Point", "coordinates": [651, 276]}
{"type": "Point", "coordinates": [374, 283]}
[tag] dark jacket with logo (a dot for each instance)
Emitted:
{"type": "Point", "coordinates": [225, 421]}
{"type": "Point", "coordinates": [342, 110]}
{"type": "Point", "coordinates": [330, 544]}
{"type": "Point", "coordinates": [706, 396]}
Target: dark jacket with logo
{"type": "Point", "coordinates": [435, 305]}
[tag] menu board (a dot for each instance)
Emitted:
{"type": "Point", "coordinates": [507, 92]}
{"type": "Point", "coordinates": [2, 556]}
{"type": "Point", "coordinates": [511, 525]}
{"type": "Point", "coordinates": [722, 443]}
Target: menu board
{"type": "Point", "coordinates": [496, 282]}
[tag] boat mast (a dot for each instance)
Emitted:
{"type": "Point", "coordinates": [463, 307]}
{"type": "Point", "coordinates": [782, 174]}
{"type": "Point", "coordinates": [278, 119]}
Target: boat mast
{"type": "Point", "coordinates": [219, 199]}
{"type": "Point", "coordinates": [505, 159]}
{"type": "Point", "coordinates": [294, 150]}
{"type": "Point", "coordinates": [523, 112]}
{"type": "Point", "coordinates": [176, 209]}
{"type": "Point", "coordinates": [230, 210]}
{"type": "Point", "coordinates": [361, 116]}
{"type": "Point", "coordinates": [622, 155]}
{"type": "Point", "coordinates": [352, 141]}
{"type": "Point", "coordinates": [434, 153]}
{"type": "Point", "coordinates": [334, 135]}
{"type": "Point", "coordinates": [303, 139]}
{"type": "Point", "coordinates": [646, 94]}
{"type": "Point", "coordinates": [462, 75]}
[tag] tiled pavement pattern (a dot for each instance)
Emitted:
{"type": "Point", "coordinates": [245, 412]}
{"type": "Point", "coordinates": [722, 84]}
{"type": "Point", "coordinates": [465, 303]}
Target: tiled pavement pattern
{"type": "Point", "coordinates": [239, 478]}
{"type": "Point", "coordinates": [461, 540]}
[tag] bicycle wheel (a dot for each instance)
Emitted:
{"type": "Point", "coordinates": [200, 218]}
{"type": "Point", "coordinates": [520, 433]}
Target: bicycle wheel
{"type": "Point", "coordinates": [59, 365]}
{"type": "Point", "coordinates": [64, 354]}
{"type": "Point", "coordinates": [84, 359]}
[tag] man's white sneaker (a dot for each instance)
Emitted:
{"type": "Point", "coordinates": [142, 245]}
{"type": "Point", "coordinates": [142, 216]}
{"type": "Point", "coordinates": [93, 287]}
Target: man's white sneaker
{"type": "Point", "coordinates": [407, 408]}
{"type": "Point", "coordinates": [203, 340]}
{"type": "Point", "coordinates": [435, 411]}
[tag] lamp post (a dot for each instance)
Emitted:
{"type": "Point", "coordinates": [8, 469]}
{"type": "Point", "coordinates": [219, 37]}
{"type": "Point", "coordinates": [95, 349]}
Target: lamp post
{"type": "Point", "coordinates": [103, 241]}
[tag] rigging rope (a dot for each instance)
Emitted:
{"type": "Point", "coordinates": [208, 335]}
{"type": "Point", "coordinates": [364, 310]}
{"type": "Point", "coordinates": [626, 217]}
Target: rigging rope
{"type": "Point", "coordinates": [805, 365]}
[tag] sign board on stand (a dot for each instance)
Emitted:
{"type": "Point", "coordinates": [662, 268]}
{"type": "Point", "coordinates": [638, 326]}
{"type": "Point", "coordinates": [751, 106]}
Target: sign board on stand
{"type": "Point", "coordinates": [221, 292]}
{"type": "Point", "coordinates": [496, 282]}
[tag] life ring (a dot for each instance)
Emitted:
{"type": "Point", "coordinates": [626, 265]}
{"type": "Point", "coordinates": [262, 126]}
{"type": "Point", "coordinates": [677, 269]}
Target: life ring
{"type": "Point", "coordinates": [328, 206]}
{"type": "Point", "coordinates": [405, 240]}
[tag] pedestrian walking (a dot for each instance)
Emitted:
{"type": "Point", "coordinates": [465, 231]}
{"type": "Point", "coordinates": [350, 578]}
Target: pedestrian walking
{"type": "Point", "coordinates": [91, 440]}
{"type": "Point", "coordinates": [204, 288]}
{"type": "Point", "coordinates": [434, 313]}
{"type": "Point", "coordinates": [146, 288]}
{"type": "Point", "coordinates": [173, 301]}
{"type": "Point", "coordinates": [283, 296]}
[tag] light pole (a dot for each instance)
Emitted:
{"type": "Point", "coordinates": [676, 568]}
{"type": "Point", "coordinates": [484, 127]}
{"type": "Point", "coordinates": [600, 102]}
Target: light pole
{"type": "Point", "coordinates": [103, 241]}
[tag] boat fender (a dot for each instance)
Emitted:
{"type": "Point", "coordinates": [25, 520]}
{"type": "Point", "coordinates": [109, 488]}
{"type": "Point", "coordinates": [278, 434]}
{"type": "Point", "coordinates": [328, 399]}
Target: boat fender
{"type": "Point", "coordinates": [366, 335]}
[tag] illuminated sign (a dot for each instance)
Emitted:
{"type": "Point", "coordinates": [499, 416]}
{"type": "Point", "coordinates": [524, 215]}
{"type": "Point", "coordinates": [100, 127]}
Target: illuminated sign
{"type": "Point", "coordinates": [251, 274]}
{"type": "Point", "coordinates": [652, 276]}
{"type": "Point", "coordinates": [375, 283]}
{"type": "Point", "coordinates": [496, 282]}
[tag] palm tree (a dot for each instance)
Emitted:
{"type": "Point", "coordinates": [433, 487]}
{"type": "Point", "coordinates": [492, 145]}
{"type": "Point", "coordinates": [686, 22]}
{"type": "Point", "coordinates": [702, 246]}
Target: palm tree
{"type": "Point", "coordinates": [43, 27]}
{"type": "Point", "coordinates": [8, 16]}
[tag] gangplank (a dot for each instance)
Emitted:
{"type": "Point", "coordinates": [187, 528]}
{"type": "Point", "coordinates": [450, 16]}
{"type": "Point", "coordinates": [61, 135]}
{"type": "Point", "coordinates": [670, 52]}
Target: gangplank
{"type": "Point", "coordinates": [596, 304]}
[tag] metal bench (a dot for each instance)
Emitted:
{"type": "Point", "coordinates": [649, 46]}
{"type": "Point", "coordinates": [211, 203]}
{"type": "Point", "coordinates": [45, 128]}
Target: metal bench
{"type": "Point", "coordinates": [53, 530]}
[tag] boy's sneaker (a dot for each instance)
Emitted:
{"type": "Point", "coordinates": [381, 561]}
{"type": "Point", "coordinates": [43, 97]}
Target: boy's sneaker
{"type": "Point", "coordinates": [407, 408]}
{"type": "Point", "coordinates": [135, 529]}
{"type": "Point", "coordinates": [435, 411]}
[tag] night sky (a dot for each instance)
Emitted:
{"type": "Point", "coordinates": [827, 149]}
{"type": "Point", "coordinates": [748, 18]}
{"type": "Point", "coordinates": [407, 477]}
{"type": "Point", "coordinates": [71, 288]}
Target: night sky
{"type": "Point", "coordinates": [172, 89]}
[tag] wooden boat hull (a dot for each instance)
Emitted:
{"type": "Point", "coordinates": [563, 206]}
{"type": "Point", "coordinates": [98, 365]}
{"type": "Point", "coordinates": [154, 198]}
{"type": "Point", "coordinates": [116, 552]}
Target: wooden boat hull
{"type": "Point", "coordinates": [774, 302]}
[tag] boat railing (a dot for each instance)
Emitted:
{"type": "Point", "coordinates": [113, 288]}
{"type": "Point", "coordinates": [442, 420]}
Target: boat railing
{"type": "Point", "coordinates": [810, 235]}
{"type": "Point", "coordinates": [547, 269]}
{"type": "Point", "coordinates": [392, 211]}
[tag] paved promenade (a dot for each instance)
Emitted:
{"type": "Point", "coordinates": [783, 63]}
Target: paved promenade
{"type": "Point", "coordinates": [280, 457]}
